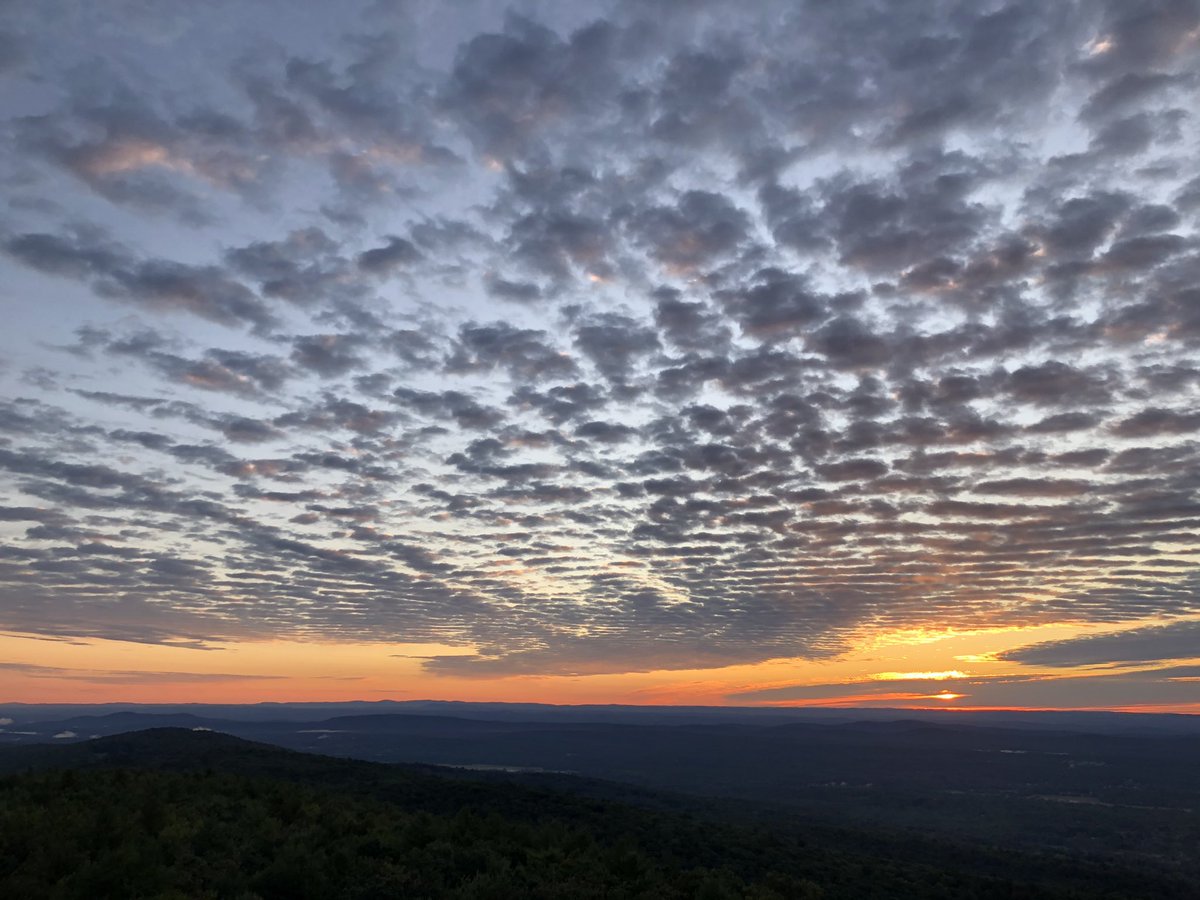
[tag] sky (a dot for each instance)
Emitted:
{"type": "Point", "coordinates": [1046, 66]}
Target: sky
{"type": "Point", "coordinates": [797, 353]}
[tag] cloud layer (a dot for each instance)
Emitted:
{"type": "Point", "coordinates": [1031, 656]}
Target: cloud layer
{"type": "Point", "coordinates": [601, 337]}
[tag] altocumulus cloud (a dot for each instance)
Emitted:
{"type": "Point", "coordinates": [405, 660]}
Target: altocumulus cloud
{"type": "Point", "coordinates": [602, 336]}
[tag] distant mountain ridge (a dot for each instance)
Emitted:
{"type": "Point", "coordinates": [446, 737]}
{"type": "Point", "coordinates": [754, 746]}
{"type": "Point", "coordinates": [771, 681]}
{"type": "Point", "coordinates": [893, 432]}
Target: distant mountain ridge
{"type": "Point", "coordinates": [1096, 721]}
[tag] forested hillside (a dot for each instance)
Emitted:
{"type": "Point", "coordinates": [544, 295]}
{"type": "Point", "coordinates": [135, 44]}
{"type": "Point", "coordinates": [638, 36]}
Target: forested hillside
{"type": "Point", "coordinates": [172, 813]}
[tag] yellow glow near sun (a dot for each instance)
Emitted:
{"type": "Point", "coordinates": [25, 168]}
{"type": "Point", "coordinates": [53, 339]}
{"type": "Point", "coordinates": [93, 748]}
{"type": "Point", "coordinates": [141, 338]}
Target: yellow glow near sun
{"type": "Point", "coordinates": [919, 676]}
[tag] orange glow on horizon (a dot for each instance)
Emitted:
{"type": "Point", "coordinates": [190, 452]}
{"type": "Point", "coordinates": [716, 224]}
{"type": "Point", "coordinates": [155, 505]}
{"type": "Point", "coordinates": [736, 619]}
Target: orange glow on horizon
{"type": "Point", "coordinates": [41, 670]}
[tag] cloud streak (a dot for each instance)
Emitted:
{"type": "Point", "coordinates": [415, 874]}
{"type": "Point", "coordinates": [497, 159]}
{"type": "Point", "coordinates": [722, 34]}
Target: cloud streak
{"type": "Point", "coordinates": [1134, 646]}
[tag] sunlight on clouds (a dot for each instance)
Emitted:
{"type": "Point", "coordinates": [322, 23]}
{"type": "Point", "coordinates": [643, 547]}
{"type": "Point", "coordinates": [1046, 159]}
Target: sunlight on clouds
{"type": "Point", "coordinates": [130, 155]}
{"type": "Point", "coordinates": [918, 676]}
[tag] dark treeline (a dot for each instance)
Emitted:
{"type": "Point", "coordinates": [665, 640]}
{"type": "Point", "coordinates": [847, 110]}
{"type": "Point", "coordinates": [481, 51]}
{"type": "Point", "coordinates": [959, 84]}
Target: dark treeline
{"type": "Point", "coordinates": [174, 814]}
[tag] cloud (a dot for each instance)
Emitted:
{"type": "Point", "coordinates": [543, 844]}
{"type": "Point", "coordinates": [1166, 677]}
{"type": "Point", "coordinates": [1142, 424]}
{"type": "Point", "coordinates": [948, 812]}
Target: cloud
{"type": "Point", "coordinates": [113, 676]}
{"type": "Point", "coordinates": [607, 337]}
{"type": "Point", "coordinates": [777, 303]}
{"type": "Point", "coordinates": [1176, 640]}
{"type": "Point", "coordinates": [614, 343]}
{"type": "Point", "coordinates": [305, 268]}
{"type": "Point", "coordinates": [328, 355]}
{"type": "Point", "coordinates": [383, 260]}
{"type": "Point", "coordinates": [526, 354]}
{"type": "Point", "coordinates": [156, 284]}
{"type": "Point", "coordinates": [699, 230]}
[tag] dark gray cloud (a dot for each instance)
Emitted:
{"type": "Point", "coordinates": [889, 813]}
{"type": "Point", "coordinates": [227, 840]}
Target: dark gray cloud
{"type": "Point", "coordinates": [615, 344]}
{"type": "Point", "coordinates": [563, 402]}
{"type": "Point", "coordinates": [155, 284]}
{"type": "Point", "coordinates": [396, 253]}
{"type": "Point", "coordinates": [1177, 640]}
{"type": "Point", "coordinates": [776, 303]}
{"type": "Point", "coordinates": [701, 229]}
{"type": "Point", "coordinates": [526, 354]}
{"type": "Point", "coordinates": [328, 355]}
{"type": "Point", "coordinates": [305, 268]}
{"type": "Point", "coordinates": [450, 406]}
